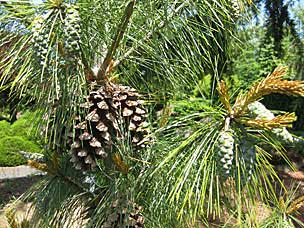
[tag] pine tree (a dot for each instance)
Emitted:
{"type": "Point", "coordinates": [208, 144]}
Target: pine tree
{"type": "Point", "coordinates": [97, 71]}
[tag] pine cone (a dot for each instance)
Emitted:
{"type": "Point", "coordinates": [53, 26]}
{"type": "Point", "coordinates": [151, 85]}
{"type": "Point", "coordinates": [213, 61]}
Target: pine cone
{"type": "Point", "coordinates": [225, 152]}
{"type": "Point", "coordinates": [124, 216]}
{"type": "Point", "coordinates": [115, 113]}
{"type": "Point", "coordinates": [72, 29]}
{"type": "Point", "coordinates": [247, 158]}
{"type": "Point", "coordinates": [40, 39]}
{"type": "Point", "coordinates": [259, 111]}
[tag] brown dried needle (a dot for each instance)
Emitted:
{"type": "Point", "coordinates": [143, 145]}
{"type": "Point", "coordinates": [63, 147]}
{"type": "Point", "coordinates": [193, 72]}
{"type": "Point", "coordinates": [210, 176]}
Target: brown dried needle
{"type": "Point", "coordinates": [224, 96]}
{"type": "Point", "coordinates": [271, 84]}
{"type": "Point", "coordinates": [277, 122]}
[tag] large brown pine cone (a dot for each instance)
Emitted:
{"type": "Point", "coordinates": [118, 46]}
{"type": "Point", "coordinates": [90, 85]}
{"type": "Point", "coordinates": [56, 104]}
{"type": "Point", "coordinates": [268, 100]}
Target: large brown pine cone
{"type": "Point", "coordinates": [115, 113]}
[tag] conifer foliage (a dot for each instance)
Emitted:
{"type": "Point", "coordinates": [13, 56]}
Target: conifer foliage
{"type": "Point", "coordinates": [99, 74]}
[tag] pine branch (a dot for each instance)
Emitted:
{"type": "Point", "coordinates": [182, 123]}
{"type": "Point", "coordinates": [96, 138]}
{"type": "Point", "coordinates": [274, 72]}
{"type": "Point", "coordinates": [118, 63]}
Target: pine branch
{"type": "Point", "coordinates": [122, 28]}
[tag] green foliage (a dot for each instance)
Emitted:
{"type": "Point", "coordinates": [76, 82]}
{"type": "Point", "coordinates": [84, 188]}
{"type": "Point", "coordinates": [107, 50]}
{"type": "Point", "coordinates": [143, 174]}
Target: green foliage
{"type": "Point", "coordinates": [11, 159]}
{"type": "Point", "coordinates": [8, 153]}
{"type": "Point", "coordinates": [263, 47]}
{"type": "Point", "coordinates": [203, 87]}
{"type": "Point", "coordinates": [188, 105]}
{"type": "Point", "coordinates": [11, 145]}
{"type": "Point", "coordinates": [4, 129]}
{"type": "Point", "coordinates": [25, 126]}
{"type": "Point", "coordinates": [17, 137]}
{"type": "Point", "coordinates": [254, 59]}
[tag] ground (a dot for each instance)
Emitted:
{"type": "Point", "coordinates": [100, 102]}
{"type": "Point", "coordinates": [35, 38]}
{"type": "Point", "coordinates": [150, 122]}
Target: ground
{"type": "Point", "coordinates": [12, 189]}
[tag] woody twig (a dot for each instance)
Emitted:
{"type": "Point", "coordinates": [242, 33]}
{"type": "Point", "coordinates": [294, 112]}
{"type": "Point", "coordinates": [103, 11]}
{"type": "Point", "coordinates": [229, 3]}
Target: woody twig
{"type": "Point", "coordinates": [102, 72]}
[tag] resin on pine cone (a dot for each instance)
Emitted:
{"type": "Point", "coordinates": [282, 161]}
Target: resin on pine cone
{"type": "Point", "coordinates": [236, 8]}
{"type": "Point", "coordinates": [115, 113]}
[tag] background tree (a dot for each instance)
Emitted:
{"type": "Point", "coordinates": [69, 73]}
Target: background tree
{"type": "Point", "coordinates": [279, 24]}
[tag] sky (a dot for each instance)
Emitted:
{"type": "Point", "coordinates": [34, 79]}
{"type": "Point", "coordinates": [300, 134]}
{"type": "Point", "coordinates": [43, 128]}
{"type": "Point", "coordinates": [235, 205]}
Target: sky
{"type": "Point", "coordinates": [37, 1]}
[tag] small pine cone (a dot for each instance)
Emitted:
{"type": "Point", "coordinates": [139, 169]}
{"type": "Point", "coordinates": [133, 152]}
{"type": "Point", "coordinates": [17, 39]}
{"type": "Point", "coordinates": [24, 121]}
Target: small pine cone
{"type": "Point", "coordinates": [33, 156]}
{"type": "Point", "coordinates": [225, 152]}
{"type": "Point", "coordinates": [284, 135]}
{"type": "Point", "coordinates": [247, 158]}
{"type": "Point", "coordinates": [40, 40]}
{"type": "Point", "coordinates": [258, 111]}
{"type": "Point", "coordinates": [114, 113]}
{"type": "Point", "coordinates": [72, 29]}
